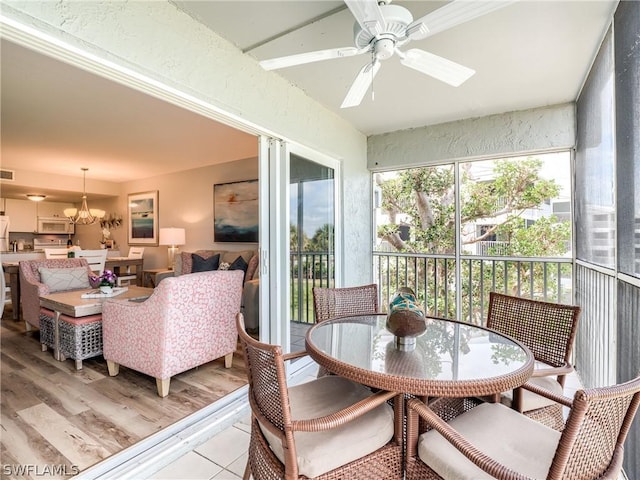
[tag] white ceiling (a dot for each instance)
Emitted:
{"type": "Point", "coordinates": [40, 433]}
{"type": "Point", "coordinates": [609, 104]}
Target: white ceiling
{"type": "Point", "coordinates": [528, 54]}
{"type": "Point", "coordinates": [57, 118]}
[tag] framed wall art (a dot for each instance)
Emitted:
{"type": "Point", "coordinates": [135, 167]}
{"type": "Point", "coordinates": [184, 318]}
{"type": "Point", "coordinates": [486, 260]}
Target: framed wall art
{"type": "Point", "coordinates": [235, 211]}
{"type": "Point", "coordinates": [143, 218]}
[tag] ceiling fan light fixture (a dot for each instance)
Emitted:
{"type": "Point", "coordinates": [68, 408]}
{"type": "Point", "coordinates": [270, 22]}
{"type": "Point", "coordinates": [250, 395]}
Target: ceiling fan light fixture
{"type": "Point", "coordinates": [381, 29]}
{"type": "Point", "coordinates": [384, 48]}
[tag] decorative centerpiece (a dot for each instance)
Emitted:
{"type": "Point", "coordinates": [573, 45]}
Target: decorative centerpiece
{"type": "Point", "coordinates": [405, 319]}
{"type": "Point", "coordinates": [108, 223]}
{"type": "Point", "coordinates": [105, 282]}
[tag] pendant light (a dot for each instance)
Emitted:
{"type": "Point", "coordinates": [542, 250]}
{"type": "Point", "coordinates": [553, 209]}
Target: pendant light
{"type": "Point", "coordinates": [84, 216]}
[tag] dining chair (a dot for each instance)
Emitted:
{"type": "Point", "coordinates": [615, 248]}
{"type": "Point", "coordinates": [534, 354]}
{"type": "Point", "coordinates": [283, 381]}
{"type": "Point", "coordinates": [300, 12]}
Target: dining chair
{"type": "Point", "coordinates": [338, 302]}
{"type": "Point", "coordinates": [95, 258]}
{"type": "Point", "coordinates": [548, 330]}
{"type": "Point", "coordinates": [50, 253]}
{"type": "Point", "coordinates": [128, 276]}
{"type": "Point", "coordinates": [326, 428]}
{"type": "Point", "coordinates": [494, 441]}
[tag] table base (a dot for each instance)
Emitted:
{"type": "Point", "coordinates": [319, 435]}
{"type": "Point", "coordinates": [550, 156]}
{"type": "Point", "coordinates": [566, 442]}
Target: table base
{"type": "Point", "coordinates": [76, 341]}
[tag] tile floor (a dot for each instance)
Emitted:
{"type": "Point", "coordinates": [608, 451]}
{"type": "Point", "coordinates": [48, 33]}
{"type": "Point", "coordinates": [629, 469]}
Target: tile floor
{"type": "Point", "coordinates": [224, 456]}
{"type": "Point", "coordinates": [221, 458]}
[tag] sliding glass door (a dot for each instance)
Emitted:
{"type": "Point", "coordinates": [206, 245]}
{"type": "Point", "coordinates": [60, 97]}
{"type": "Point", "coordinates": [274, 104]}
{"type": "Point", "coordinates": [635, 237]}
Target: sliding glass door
{"type": "Point", "coordinates": [299, 227]}
{"type": "Point", "coordinates": [312, 221]}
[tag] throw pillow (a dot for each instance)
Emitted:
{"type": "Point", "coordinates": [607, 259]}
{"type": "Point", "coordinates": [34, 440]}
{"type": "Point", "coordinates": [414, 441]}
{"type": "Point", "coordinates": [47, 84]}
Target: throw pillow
{"type": "Point", "coordinates": [185, 264]}
{"type": "Point", "coordinates": [200, 264]}
{"type": "Point", "coordinates": [230, 256]}
{"type": "Point", "coordinates": [60, 279]}
{"type": "Point", "coordinates": [252, 269]}
{"type": "Point", "coordinates": [239, 264]}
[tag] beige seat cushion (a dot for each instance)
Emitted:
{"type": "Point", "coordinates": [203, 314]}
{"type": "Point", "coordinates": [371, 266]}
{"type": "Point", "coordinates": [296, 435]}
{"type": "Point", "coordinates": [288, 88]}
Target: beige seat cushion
{"type": "Point", "coordinates": [503, 434]}
{"type": "Point", "coordinates": [533, 401]}
{"type": "Point", "coordinates": [320, 452]}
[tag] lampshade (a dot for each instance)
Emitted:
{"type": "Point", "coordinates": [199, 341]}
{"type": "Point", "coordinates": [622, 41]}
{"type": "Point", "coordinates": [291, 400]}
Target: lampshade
{"type": "Point", "coordinates": [172, 236]}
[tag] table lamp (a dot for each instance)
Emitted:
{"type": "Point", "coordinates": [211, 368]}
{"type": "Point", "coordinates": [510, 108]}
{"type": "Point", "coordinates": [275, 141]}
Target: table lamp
{"type": "Point", "coordinates": [172, 237]}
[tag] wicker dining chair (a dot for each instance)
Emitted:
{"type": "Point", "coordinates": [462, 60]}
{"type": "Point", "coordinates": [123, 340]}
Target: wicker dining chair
{"type": "Point", "coordinates": [548, 330]}
{"type": "Point", "coordinates": [327, 428]}
{"type": "Point", "coordinates": [341, 302]}
{"type": "Point", "coordinates": [494, 441]}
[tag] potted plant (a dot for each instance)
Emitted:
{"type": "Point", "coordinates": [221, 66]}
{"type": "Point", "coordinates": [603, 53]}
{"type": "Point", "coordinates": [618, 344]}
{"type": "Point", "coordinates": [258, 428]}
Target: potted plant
{"type": "Point", "coordinates": [105, 282]}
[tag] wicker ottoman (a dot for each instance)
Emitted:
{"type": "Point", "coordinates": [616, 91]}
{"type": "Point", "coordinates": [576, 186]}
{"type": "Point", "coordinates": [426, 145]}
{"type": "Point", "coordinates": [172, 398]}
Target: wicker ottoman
{"type": "Point", "coordinates": [80, 337]}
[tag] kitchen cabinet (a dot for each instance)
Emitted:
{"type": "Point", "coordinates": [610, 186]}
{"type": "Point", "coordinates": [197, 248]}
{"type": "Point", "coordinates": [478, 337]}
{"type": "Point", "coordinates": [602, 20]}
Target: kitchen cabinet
{"type": "Point", "coordinates": [22, 215]}
{"type": "Point", "coordinates": [52, 209]}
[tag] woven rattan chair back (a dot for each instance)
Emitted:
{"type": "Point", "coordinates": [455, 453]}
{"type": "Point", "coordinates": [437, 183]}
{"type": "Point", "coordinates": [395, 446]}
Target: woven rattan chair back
{"type": "Point", "coordinates": [548, 329]}
{"type": "Point", "coordinates": [267, 378]}
{"type": "Point", "coordinates": [592, 441]}
{"type": "Point", "coordinates": [341, 302]}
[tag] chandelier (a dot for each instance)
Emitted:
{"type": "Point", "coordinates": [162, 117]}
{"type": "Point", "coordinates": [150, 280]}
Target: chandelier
{"type": "Point", "coordinates": [84, 216]}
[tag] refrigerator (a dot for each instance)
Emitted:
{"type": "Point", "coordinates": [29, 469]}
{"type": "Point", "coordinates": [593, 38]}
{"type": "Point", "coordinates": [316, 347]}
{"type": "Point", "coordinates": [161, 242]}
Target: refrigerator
{"type": "Point", "coordinates": [4, 233]}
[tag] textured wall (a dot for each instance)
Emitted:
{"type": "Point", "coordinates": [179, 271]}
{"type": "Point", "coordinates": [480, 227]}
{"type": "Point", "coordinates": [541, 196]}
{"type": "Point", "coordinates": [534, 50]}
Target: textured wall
{"type": "Point", "coordinates": [538, 129]}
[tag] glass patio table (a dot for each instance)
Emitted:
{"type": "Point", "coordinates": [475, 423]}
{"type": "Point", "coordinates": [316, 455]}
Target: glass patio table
{"type": "Point", "coordinates": [450, 359]}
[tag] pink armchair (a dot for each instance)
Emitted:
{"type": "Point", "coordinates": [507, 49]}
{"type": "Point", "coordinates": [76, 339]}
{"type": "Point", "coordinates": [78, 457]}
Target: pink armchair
{"type": "Point", "coordinates": [32, 287]}
{"type": "Point", "coordinates": [188, 321]}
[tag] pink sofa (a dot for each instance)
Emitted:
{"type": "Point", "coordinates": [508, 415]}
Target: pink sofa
{"type": "Point", "coordinates": [32, 287]}
{"type": "Point", "coordinates": [189, 320]}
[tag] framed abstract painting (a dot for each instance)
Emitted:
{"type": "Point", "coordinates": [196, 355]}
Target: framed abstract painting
{"type": "Point", "coordinates": [235, 211]}
{"type": "Point", "coordinates": [143, 218]}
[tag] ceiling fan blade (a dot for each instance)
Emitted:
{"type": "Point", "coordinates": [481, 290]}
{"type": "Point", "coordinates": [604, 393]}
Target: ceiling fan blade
{"type": "Point", "coordinates": [360, 85]}
{"type": "Point", "coordinates": [302, 58]}
{"type": "Point", "coordinates": [437, 67]}
{"type": "Point", "coordinates": [452, 14]}
{"type": "Point", "coordinates": [368, 15]}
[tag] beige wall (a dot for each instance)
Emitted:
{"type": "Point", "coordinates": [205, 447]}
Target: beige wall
{"type": "Point", "coordinates": [185, 200]}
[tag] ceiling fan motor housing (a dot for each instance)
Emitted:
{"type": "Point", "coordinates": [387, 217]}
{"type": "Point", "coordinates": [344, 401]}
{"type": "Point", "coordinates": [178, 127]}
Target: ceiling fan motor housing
{"type": "Point", "coordinates": [397, 19]}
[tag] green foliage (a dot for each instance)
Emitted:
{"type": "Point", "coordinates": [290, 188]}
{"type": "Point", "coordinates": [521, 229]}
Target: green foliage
{"type": "Point", "coordinates": [424, 199]}
{"type": "Point", "coordinates": [322, 240]}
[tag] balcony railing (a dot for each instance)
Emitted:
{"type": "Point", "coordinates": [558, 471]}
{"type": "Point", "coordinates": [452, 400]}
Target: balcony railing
{"type": "Point", "coordinates": [434, 279]}
{"type": "Point", "coordinates": [308, 270]}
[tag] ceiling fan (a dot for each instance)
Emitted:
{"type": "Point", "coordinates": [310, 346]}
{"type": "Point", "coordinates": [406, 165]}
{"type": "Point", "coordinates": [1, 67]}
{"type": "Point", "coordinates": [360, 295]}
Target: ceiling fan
{"type": "Point", "coordinates": [381, 29]}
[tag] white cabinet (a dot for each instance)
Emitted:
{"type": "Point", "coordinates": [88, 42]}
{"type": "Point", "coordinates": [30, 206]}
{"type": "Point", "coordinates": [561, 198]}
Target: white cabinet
{"type": "Point", "coordinates": [52, 209]}
{"type": "Point", "coordinates": [22, 215]}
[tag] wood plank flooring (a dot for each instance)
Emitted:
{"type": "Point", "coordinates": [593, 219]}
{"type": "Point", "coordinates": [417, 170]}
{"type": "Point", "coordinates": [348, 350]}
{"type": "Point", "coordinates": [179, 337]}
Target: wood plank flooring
{"type": "Point", "coordinates": [57, 420]}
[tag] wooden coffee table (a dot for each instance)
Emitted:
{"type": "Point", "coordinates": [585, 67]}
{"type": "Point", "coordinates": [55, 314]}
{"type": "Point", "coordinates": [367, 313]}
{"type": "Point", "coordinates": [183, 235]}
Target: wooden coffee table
{"type": "Point", "coordinates": [74, 329]}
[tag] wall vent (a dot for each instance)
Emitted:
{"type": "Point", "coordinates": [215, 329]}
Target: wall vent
{"type": "Point", "coordinates": [7, 175]}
